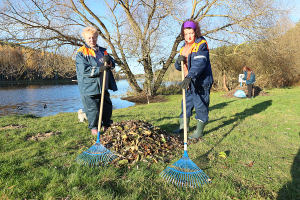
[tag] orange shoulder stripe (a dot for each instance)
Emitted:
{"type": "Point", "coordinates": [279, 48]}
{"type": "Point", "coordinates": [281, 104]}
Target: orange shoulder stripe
{"type": "Point", "coordinates": [195, 49]}
{"type": "Point", "coordinates": [87, 51]}
{"type": "Point", "coordinates": [181, 50]}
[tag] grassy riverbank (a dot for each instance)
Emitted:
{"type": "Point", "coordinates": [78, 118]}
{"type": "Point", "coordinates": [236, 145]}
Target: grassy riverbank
{"type": "Point", "coordinates": [260, 137]}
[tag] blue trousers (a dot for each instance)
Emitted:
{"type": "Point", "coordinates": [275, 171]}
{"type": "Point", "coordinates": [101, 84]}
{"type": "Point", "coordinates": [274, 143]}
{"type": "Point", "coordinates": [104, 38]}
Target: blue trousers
{"type": "Point", "coordinates": [91, 105]}
{"type": "Point", "coordinates": [198, 99]}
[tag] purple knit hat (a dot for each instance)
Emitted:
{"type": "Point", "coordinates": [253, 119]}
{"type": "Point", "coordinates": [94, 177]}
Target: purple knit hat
{"type": "Point", "coordinates": [189, 24]}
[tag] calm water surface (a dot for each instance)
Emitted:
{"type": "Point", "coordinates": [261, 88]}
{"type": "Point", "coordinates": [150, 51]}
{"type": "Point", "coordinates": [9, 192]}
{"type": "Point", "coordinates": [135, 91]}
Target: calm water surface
{"type": "Point", "coordinates": [50, 99]}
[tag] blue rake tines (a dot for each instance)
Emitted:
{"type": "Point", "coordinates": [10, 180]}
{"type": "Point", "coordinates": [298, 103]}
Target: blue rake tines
{"type": "Point", "coordinates": [185, 173]}
{"type": "Point", "coordinates": [96, 155]}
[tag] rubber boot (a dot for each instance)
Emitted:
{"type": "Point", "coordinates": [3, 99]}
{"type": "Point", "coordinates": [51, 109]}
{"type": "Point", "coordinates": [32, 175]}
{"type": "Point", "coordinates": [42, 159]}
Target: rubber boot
{"type": "Point", "coordinates": [199, 130]}
{"type": "Point", "coordinates": [180, 129]}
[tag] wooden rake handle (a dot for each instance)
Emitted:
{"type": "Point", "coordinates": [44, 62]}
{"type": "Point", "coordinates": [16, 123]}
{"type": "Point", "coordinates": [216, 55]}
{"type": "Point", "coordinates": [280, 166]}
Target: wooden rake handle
{"type": "Point", "coordinates": [184, 108]}
{"type": "Point", "coordinates": [102, 99]}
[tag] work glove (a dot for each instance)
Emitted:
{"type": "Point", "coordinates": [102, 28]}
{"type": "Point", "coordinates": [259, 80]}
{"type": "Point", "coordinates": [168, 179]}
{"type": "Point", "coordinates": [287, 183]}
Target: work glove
{"type": "Point", "coordinates": [185, 83]}
{"type": "Point", "coordinates": [103, 67]}
{"type": "Point", "coordinates": [180, 58]}
{"type": "Point", "coordinates": [107, 60]}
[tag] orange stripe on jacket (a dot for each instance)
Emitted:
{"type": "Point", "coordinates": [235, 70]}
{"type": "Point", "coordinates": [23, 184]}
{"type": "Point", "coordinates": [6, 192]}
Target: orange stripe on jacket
{"type": "Point", "coordinates": [87, 51]}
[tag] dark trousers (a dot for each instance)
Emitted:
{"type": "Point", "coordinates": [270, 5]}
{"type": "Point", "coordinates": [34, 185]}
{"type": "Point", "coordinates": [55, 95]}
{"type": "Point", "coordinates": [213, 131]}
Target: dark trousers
{"type": "Point", "coordinates": [250, 88]}
{"type": "Point", "coordinates": [198, 99]}
{"type": "Point", "coordinates": [91, 105]}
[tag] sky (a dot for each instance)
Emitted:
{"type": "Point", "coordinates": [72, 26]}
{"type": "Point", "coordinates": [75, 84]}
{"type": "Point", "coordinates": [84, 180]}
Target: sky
{"type": "Point", "coordinates": [295, 14]}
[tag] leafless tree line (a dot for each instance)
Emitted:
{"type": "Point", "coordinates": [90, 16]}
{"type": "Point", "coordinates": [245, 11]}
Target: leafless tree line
{"type": "Point", "coordinates": [18, 63]}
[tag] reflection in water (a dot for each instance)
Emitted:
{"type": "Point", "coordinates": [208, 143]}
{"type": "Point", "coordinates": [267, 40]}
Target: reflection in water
{"type": "Point", "coordinates": [31, 99]}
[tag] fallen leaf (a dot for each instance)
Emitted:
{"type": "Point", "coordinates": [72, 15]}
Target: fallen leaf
{"type": "Point", "coordinates": [251, 164]}
{"type": "Point", "coordinates": [11, 187]}
{"type": "Point", "coordinates": [222, 154]}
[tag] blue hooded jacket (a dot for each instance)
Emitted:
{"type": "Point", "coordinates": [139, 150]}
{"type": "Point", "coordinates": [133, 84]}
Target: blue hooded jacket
{"type": "Point", "coordinates": [251, 79]}
{"type": "Point", "coordinates": [199, 67]}
{"type": "Point", "coordinates": [88, 72]}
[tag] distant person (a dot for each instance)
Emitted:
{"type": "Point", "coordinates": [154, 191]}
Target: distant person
{"type": "Point", "coordinates": [198, 76]}
{"type": "Point", "coordinates": [249, 77]}
{"type": "Point", "coordinates": [90, 67]}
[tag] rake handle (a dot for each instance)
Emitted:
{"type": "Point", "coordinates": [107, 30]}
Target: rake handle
{"type": "Point", "coordinates": [184, 109]}
{"type": "Point", "coordinates": [102, 98]}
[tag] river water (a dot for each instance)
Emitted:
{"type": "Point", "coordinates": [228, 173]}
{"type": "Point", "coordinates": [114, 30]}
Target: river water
{"type": "Point", "coordinates": [50, 99]}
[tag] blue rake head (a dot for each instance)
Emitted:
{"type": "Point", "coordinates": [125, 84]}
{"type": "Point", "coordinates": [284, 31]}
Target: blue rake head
{"type": "Point", "coordinates": [96, 155]}
{"type": "Point", "coordinates": [185, 173]}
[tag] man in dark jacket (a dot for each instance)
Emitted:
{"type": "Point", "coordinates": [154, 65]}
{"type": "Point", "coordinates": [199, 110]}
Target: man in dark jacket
{"type": "Point", "coordinates": [90, 66]}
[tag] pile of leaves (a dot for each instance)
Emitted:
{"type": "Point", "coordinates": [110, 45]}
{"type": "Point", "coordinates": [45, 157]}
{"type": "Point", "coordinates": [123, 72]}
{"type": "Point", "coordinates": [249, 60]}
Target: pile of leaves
{"type": "Point", "coordinates": [137, 140]}
{"type": "Point", "coordinates": [257, 91]}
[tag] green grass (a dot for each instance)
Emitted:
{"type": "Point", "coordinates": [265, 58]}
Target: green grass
{"type": "Point", "coordinates": [264, 131]}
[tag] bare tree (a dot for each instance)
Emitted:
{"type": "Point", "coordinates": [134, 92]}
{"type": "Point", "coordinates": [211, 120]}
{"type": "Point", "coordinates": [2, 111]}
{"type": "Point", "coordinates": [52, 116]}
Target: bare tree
{"type": "Point", "coordinates": [143, 31]}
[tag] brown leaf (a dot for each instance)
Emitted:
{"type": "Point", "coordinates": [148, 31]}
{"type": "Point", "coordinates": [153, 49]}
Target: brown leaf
{"type": "Point", "coordinates": [251, 164]}
{"type": "Point", "coordinates": [11, 187]}
{"type": "Point", "coordinates": [148, 165]}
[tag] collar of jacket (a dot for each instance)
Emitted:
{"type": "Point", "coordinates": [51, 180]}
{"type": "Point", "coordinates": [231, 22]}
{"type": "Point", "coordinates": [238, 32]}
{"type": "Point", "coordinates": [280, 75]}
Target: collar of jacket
{"type": "Point", "coordinates": [97, 47]}
{"type": "Point", "coordinates": [197, 40]}
{"type": "Point", "coordinates": [196, 45]}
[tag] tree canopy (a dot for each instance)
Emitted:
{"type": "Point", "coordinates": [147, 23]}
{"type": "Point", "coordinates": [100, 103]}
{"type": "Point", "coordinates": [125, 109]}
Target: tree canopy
{"type": "Point", "coordinates": [142, 31]}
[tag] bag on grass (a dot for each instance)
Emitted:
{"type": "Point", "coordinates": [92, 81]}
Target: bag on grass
{"type": "Point", "coordinates": [240, 94]}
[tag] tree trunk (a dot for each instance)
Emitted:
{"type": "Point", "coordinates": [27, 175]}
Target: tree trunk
{"type": "Point", "coordinates": [161, 74]}
{"type": "Point", "coordinates": [131, 80]}
{"type": "Point", "coordinates": [167, 64]}
{"type": "Point", "coordinates": [125, 68]}
{"type": "Point", "coordinates": [224, 82]}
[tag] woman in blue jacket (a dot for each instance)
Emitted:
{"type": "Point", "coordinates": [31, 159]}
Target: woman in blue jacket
{"type": "Point", "coordinates": [198, 76]}
{"type": "Point", "coordinates": [90, 60]}
{"type": "Point", "coordinates": [249, 77]}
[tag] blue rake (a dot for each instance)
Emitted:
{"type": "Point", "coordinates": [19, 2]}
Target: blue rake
{"type": "Point", "coordinates": [96, 155]}
{"type": "Point", "coordinates": [185, 172]}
